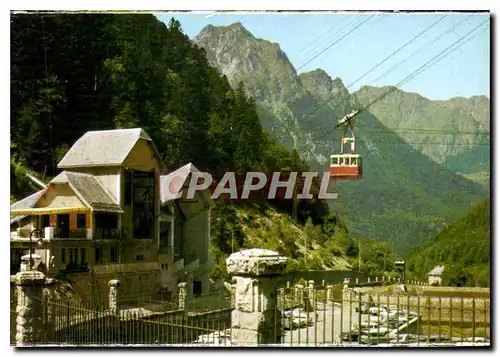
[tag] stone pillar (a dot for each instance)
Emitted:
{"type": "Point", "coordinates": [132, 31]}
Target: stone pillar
{"type": "Point", "coordinates": [323, 282]}
{"type": "Point", "coordinates": [113, 296]}
{"type": "Point", "coordinates": [346, 302]}
{"type": "Point", "coordinates": [389, 278]}
{"type": "Point", "coordinates": [310, 288]}
{"type": "Point", "coordinates": [288, 285]}
{"type": "Point", "coordinates": [376, 279]}
{"type": "Point", "coordinates": [256, 319]}
{"type": "Point", "coordinates": [357, 281]}
{"type": "Point", "coordinates": [329, 293]}
{"type": "Point", "coordinates": [299, 293]}
{"type": "Point", "coordinates": [182, 295]}
{"type": "Point", "coordinates": [368, 279]}
{"type": "Point", "coordinates": [311, 298]}
{"type": "Point", "coordinates": [233, 293]}
{"type": "Point", "coordinates": [29, 322]}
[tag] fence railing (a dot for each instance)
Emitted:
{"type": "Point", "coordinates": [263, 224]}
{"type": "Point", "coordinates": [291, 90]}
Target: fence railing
{"type": "Point", "coordinates": [75, 322]}
{"type": "Point", "coordinates": [335, 316]}
{"type": "Point", "coordinates": [209, 302]}
{"type": "Point", "coordinates": [301, 315]}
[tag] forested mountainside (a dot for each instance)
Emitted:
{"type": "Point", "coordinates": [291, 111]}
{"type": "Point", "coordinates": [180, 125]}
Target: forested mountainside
{"type": "Point", "coordinates": [463, 247]}
{"type": "Point", "coordinates": [456, 132]}
{"type": "Point", "coordinates": [71, 73]}
{"type": "Point", "coordinates": [405, 196]}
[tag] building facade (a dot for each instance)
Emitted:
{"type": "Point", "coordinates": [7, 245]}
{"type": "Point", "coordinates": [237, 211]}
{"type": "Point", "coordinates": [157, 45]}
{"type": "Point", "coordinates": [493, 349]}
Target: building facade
{"type": "Point", "coordinates": [435, 275]}
{"type": "Point", "coordinates": [103, 218]}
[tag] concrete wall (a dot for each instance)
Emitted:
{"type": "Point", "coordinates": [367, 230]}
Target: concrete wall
{"type": "Point", "coordinates": [196, 237]}
{"type": "Point", "coordinates": [415, 301]}
{"type": "Point", "coordinates": [173, 327]}
{"type": "Point", "coordinates": [142, 158]}
{"type": "Point", "coordinates": [134, 284]}
{"type": "Point", "coordinates": [132, 248]}
{"type": "Point", "coordinates": [168, 279]}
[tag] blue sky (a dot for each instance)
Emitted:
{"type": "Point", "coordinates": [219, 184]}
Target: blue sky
{"type": "Point", "coordinates": [464, 72]}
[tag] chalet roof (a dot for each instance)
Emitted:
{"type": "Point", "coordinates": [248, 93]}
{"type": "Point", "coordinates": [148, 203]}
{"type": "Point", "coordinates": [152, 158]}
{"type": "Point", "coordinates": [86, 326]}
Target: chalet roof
{"type": "Point", "coordinates": [25, 203]}
{"type": "Point", "coordinates": [90, 190]}
{"type": "Point", "coordinates": [105, 148]}
{"type": "Point", "coordinates": [438, 270]}
{"type": "Point", "coordinates": [172, 184]}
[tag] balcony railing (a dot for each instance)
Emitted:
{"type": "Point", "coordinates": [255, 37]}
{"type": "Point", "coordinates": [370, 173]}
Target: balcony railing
{"type": "Point", "coordinates": [124, 267]}
{"type": "Point", "coordinates": [94, 233]}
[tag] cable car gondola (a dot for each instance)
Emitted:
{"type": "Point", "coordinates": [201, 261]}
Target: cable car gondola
{"type": "Point", "coordinates": [346, 166]}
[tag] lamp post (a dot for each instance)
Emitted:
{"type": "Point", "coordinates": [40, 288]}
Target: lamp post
{"type": "Point", "coordinates": [359, 255]}
{"type": "Point", "coordinates": [31, 246]}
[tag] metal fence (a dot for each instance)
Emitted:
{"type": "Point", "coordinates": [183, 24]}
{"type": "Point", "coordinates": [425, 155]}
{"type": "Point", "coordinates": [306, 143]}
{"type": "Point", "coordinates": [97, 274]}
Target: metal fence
{"type": "Point", "coordinates": [332, 316]}
{"type": "Point", "coordinates": [323, 316]}
{"type": "Point", "coordinates": [73, 322]}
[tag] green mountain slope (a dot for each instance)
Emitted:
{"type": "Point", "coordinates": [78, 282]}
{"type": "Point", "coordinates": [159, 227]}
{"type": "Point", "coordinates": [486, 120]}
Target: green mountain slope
{"type": "Point", "coordinates": [450, 132]}
{"type": "Point", "coordinates": [236, 227]}
{"type": "Point", "coordinates": [404, 196]}
{"type": "Point", "coordinates": [121, 71]}
{"type": "Point", "coordinates": [463, 247]}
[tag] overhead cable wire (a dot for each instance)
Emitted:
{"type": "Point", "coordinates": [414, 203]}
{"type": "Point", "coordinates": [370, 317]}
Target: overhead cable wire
{"type": "Point", "coordinates": [419, 50]}
{"type": "Point", "coordinates": [379, 64]}
{"type": "Point", "coordinates": [447, 51]}
{"type": "Point", "coordinates": [337, 40]}
{"type": "Point", "coordinates": [425, 66]}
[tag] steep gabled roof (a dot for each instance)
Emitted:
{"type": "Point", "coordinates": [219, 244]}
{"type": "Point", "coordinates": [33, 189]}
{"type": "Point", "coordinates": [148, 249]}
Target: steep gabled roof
{"type": "Point", "coordinates": [105, 148]}
{"type": "Point", "coordinates": [25, 203]}
{"type": "Point", "coordinates": [438, 270]}
{"type": "Point", "coordinates": [88, 188]}
{"type": "Point", "coordinates": [172, 184]}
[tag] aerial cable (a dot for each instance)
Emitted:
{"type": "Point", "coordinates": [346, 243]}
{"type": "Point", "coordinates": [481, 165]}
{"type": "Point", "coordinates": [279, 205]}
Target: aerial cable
{"type": "Point", "coordinates": [389, 130]}
{"type": "Point", "coordinates": [430, 43]}
{"type": "Point", "coordinates": [344, 35]}
{"type": "Point", "coordinates": [424, 67]}
{"type": "Point", "coordinates": [335, 42]}
{"type": "Point", "coordinates": [381, 143]}
{"type": "Point", "coordinates": [310, 50]}
{"type": "Point", "coordinates": [381, 62]}
{"type": "Point", "coordinates": [397, 51]}
{"type": "Point", "coordinates": [448, 50]}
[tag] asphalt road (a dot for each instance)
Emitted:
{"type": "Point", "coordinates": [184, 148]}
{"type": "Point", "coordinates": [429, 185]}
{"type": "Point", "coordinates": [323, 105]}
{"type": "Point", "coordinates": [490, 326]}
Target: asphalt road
{"type": "Point", "coordinates": [326, 330]}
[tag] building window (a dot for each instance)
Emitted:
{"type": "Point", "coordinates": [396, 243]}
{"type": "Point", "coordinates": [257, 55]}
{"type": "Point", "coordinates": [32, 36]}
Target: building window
{"type": "Point", "coordinates": [197, 288]}
{"type": "Point", "coordinates": [128, 187]}
{"type": "Point", "coordinates": [81, 220]}
{"type": "Point", "coordinates": [63, 255]}
{"type": "Point", "coordinates": [139, 257]}
{"type": "Point", "coordinates": [72, 255]}
{"type": "Point", "coordinates": [143, 215]}
{"type": "Point", "coordinates": [98, 255]}
{"type": "Point", "coordinates": [83, 255]}
{"type": "Point", "coordinates": [45, 222]}
{"type": "Point", "coordinates": [106, 224]}
{"type": "Point", "coordinates": [113, 254]}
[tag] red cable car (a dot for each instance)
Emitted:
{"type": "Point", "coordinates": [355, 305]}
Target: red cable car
{"type": "Point", "coordinates": [346, 166]}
